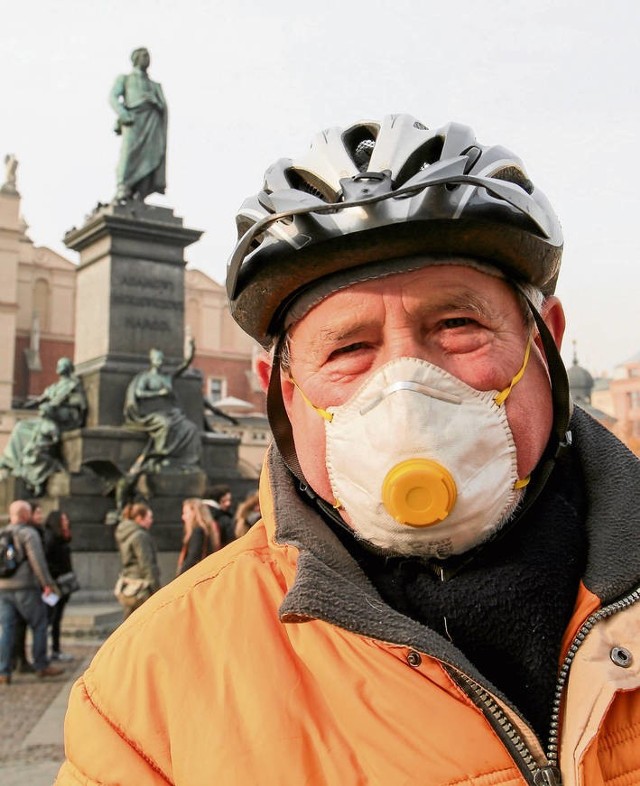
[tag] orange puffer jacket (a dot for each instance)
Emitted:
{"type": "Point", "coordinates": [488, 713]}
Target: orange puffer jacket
{"type": "Point", "coordinates": [314, 680]}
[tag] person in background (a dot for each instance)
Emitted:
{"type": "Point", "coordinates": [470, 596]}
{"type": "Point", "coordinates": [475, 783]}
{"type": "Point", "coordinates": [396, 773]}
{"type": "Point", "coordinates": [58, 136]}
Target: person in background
{"type": "Point", "coordinates": [20, 596]}
{"type": "Point", "coordinates": [200, 534]}
{"type": "Point", "coordinates": [247, 514]}
{"type": "Point", "coordinates": [220, 504]}
{"type": "Point", "coordinates": [58, 553]}
{"type": "Point", "coordinates": [22, 664]}
{"type": "Point", "coordinates": [138, 555]}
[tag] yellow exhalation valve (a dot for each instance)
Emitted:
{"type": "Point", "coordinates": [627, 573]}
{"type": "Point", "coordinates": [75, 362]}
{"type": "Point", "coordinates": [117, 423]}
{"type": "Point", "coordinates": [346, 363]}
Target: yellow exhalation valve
{"type": "Point", "coordinates": [419, 492]}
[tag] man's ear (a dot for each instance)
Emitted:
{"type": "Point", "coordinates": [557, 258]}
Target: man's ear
{"type": "Point", "coordinates": [263, 363]}
{"type": "Point", "coordinates": [553, 315]}
{"type": "Point", "coordinates": [263, 368]}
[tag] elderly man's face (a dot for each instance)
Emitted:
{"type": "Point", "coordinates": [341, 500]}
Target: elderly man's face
{"type": "Point", "coordinates": [466, 322]}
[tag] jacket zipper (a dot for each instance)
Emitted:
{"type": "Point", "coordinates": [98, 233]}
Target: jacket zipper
{"type": "Point", "coordinates": [549, 773]}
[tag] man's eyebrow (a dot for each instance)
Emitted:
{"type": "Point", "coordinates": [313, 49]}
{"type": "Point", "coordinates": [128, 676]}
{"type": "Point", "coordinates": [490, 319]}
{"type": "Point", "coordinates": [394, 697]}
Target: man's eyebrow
{"type": "Point", "coordinates": [467, 300]}
{"type": "Point", "coordinates": [337, 334]}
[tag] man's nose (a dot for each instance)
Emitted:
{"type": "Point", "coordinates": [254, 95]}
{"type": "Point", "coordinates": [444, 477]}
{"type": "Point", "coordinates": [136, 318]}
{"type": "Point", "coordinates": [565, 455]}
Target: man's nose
{"type": "Point", "coordinates": [407, 343]}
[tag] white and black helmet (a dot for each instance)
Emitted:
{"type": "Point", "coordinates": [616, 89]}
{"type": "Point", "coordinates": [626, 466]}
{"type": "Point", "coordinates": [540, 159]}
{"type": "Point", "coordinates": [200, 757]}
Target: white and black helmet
{"type": "Point", "coordinates": [385, 193]}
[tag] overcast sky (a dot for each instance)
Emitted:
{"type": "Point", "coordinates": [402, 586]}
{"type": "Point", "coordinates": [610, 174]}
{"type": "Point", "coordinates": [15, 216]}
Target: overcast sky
{"type": "Point", "coordinates": [248, 82]}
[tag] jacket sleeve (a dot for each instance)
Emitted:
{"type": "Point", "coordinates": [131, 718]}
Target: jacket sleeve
{"type": "Point", "coordinates": [147, 560]}
{"type": "Point", "coordinates": [35, 554]}
{"type": "Point", "coordinates": [98, 752]}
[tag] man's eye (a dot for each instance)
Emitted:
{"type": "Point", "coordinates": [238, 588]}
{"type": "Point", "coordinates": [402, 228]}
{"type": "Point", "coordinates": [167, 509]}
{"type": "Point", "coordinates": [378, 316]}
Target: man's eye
{"type": "Point", "coordinates": [348, 349]}
{"type": "Point", "coordinates": [456, 322]}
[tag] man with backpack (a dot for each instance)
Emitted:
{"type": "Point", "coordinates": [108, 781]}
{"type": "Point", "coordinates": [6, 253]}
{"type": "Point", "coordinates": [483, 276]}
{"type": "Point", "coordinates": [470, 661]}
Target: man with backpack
{"type": "Point", "coordinates": [24, 577]}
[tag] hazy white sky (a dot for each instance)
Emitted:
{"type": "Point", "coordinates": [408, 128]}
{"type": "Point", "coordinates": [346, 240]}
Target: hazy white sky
{"type": "Point", "coordinates": [248, 82]}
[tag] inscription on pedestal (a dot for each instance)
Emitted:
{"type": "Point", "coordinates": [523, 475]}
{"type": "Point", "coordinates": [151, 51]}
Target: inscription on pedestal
{"type": "Point", "coordinates": [147, 307]}
{"type": "Point", "coordinates": [158, 294]}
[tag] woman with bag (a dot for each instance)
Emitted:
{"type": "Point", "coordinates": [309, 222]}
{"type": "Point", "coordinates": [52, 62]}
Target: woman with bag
{"type": "Point", "coordinates": [200, 534]}
{"type": "Point", "coordinates": [140, 575]}
{"type": "Point", "coordinates": [57, 540]}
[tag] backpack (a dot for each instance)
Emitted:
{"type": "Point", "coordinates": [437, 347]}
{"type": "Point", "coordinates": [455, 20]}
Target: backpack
{"type": "Point", "coordinates": [10, 554]}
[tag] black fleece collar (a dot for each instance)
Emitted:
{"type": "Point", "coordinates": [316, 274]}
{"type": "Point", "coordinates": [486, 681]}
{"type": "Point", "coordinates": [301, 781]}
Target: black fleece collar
{"type": "Point", "coordinates": [612, 487]}
{"type": "Point", "coordinates": [330, 585]}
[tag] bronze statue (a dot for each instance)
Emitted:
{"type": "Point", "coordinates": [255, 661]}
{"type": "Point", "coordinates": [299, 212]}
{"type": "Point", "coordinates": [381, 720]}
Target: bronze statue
{"type": "Point", "coordinates": [151, 406]}
{"type": "Point", "coordinates": [142, 121]}
{"type": "Point", "coordinates": [32, 452]}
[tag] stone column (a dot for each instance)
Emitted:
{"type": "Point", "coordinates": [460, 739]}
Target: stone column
{"type": "Point", "coordinates": [130, 298]}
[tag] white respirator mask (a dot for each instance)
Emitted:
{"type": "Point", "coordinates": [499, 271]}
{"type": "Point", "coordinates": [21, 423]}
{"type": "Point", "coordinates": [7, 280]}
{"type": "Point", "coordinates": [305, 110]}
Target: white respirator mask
{"type": "Point", "coordinates": [422, 463]}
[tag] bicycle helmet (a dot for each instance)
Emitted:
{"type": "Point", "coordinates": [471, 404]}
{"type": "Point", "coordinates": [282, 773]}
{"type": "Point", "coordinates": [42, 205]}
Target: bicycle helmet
{"type": "Point", "coordinates": [385, 193]}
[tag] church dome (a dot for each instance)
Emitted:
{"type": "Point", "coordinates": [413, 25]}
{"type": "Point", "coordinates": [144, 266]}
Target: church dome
{"type": "Point", "coordinates": [580, 381]}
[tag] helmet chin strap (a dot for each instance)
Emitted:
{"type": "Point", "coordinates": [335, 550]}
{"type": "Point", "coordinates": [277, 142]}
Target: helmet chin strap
{"type": "Point", "coordinates": [279, 420]}
{"type": "Point", "coordinates": [283, 437]}
{"type": "Point", "coordinates": [559, 438]}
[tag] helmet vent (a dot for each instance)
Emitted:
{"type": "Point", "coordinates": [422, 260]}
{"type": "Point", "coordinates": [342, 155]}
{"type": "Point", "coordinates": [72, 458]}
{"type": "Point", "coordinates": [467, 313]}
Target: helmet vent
{"type": "Point", "coordinates": [360, 142]}
{"type": "Point", "coordinates": [514, 175]}
{"type": "Point", "coordinates": [425, 155]}
{"type": "Point", "coordinates": [362, 154]}
{"type": "Point", "coordinates": [302, 181]}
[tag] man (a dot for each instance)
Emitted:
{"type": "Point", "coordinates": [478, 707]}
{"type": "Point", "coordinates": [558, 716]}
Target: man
{"type": "Point", "coordinates": [220, 506]}
{"type": "Point", "coordinates": [142, 121]}
{"type": "Point", "coordinates": [20, 595]}
{"type": "Point", "coordinates": [443, 589]}
{"type": "Point", "coordinates": [21, 663]}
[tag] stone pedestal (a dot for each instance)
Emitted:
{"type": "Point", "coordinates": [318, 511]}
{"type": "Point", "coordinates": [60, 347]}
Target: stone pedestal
{"type": "Point", "coordinates": [129, 299]}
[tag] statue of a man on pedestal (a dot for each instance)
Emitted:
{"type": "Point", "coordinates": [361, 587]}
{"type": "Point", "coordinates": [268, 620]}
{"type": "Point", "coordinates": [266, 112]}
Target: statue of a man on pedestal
{"type": "Point", "coordinates": [142, 121]}
{"type": "Point", "coordinates": [32, 452]}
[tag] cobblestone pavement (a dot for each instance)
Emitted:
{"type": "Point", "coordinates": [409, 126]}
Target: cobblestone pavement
{"type": "Point", "coordinates": [27, 759]}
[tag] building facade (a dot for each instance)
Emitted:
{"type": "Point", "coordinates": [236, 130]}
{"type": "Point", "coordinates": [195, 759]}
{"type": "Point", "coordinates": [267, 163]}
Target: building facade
{"type": "Point", "coordinates": [625, 395]}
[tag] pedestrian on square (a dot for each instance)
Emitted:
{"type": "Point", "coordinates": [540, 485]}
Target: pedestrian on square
{"type": "Point", "coordinates": [140, 575]}
{"type": "Point", "coordinates": [21, 662]}
{"type": "Point", "coordinates": [247, 514]}
{"type": "Point", "coordinates": [200, 534]}
{"type": "Point", "coordinates": [58, 555]}
{"type": "Point", "coordinates": [220, 503]}
{"type": "Point", "coordinates": [20, 595]}
{"type": "Point", "coordinates": [444, 587]}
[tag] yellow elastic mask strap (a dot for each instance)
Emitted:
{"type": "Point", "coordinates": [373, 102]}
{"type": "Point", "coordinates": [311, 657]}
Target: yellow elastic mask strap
{"type": "Point", "coordinates": [501, 397]}
{"type": "Point", "coordinates": [322, 412]}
